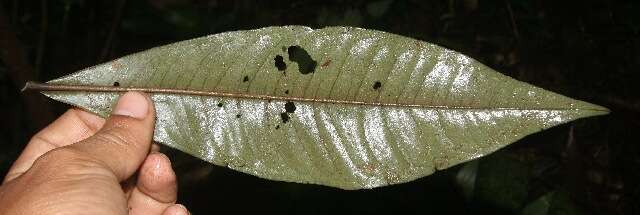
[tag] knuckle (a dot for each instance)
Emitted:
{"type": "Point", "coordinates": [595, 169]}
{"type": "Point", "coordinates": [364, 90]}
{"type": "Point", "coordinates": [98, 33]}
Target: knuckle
{"type": "Point", "coordinates": [38, 138]}
{"type": "Point", "coordinates": [57, 155]}
{"type": "Point", "coordinates": [118, 136]}
{"type": "Point", "coordinates": [64, 160]}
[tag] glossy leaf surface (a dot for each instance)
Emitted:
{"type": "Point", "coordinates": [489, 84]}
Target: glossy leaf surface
{"type": "Point", "coordinates": [342, 107]}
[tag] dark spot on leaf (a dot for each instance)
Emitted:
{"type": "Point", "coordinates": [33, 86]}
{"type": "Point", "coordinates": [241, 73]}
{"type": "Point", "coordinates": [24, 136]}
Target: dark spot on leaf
{"type": "Point", "coordinates": [290, 107]}
{"type": "Point", "coordinates": [245, 79]}
{"type": "Point", "coordinates": [306, 64]}
{"type": "Point", "coordinates": [277, 127]}
{"type": "Point", "coordinates": [238, 115]}
{"type": "Point", "coordinates": [286, 92]}
{"type": "Point", "coordinates": [279, 62]}
{"type": "Point", "coordinates": [326, 63]}
{"type": "Point", "coordinates": [116, 84]}
{"type": "Point", "coordinates": [285, 117]}
{"type": "Point", "coordinates": [377, 85]}
{"type": "Point", "coordinates": [219, 104]}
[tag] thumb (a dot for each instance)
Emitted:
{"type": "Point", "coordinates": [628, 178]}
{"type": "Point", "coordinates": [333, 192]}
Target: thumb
{"type": "Point", "coordinates": [124, 141]}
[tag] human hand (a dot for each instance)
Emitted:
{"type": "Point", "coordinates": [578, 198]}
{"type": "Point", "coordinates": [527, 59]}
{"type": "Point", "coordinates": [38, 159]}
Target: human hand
{"type": "Point", "coordinates": [83, 164]}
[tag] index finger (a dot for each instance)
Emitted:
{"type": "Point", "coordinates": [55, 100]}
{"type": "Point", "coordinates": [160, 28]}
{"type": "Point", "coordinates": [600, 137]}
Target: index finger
{"type": "Point", "coordinates": [73, 126]}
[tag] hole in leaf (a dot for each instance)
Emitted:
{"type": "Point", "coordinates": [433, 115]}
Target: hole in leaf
{"type": "Point", "coordinates": [238, 115]}
{"type": "Point", "coordinates": [116, 84]}
{"type": "Point", "coordinates": [219, 104]}
{"type": "Point", "coordinates": [290, 107]}
{"type": "Point", "coordinates": [286, 92]}
{"type": "Point", "coordinates": [306, 64]}
{"type": "Point", "coordinates": [377, 85]}
{"type": "Point", "coordinates": [245, 79]}
{"type": "Point", "coordinates": [285, 117]}
{"type": "Point", "coordinates": [277, 127]}
{"type": "Point", "coordinates": [279, 63]}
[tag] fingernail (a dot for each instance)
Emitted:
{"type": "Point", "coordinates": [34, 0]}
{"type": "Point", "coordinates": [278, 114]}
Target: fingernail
{"type": "Point", "coordinates": [132, 104]}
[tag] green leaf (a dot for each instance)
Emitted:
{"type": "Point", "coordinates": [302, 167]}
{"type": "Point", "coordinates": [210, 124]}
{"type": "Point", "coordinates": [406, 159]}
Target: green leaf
{"type": "Point", "coordinates": [497, 181]}
{"type": "Point", "coordinates": [352, 108]}
{"type": "Point", "coordinates": [378, 8]}
{"type": "Point", "coordinates": [553, 202]}
{"type": "Point", "coordinates": [502, 181]}
{"type": "Point", "coordinates": [539, 206]}
{"type": "Point", "coordinates": [466, 179]}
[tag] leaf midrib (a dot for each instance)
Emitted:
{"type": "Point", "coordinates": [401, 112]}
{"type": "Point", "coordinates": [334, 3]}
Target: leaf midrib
{"type": "Point", "coordinates": [89, 88]}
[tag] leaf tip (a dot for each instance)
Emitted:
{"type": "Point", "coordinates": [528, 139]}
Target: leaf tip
{"type": "Point", "coordinates": [603, 110]}
{"type": "Point", "coordinates": [594, 110]}
{"type": "Point", "coordinates": [600, 110]}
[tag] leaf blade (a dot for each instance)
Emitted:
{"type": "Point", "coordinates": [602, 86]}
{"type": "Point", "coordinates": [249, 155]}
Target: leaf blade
{"type": "Point", "coordinates": [379, 108]}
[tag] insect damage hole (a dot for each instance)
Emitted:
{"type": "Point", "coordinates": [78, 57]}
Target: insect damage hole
{"type": "Point", "coordinates": [290, 107]}
{"type": "Point", "coordinates": [284, 116]}
{"type": "Point", "coordinates": [245, 79]}
{"type": "Point", "coordinates": [116, 84]}
{"type": "Point", "coordinates": [377, 85]}
{"type": "Point", "coordinates": [306, 64]}
{"type": "Point", "coordinates": [279, 63]}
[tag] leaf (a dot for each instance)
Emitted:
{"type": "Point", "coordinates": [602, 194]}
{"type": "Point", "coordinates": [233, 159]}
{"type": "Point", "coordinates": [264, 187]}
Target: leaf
{"type": "Point", "coordinates": [342, 107]}
{"type": "Point", "coordinates": [378, 8]}
{"type": "Point", "coordinates": [499, 181]}
{"type": "Point", "coordinates": [466, 179]}
{"type": "Point", "coordinates": [553, 202]}
{"type": "Point", "coordinates": [539, 206]}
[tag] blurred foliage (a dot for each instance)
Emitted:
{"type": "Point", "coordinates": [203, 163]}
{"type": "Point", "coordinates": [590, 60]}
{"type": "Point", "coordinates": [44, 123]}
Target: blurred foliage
{"type": "Point", "coordinates": [499, 181]}
{"type": "Point", "coordinates": [584, 49]}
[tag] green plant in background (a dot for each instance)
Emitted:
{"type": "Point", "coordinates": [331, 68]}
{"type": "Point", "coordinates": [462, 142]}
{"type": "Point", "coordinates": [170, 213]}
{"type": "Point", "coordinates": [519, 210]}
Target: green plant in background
{"type": "Point", "coordinates": [343, 107]}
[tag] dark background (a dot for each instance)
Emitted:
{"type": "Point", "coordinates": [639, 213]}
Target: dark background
{"type": "Point", "coordinates": [583, 49]}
